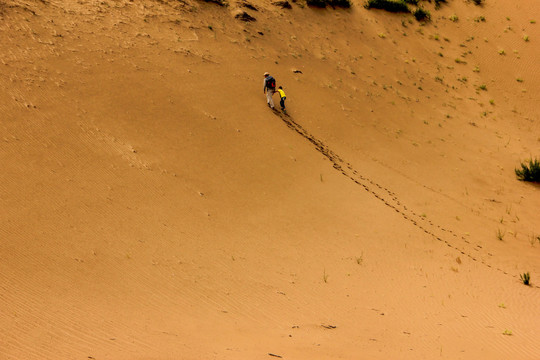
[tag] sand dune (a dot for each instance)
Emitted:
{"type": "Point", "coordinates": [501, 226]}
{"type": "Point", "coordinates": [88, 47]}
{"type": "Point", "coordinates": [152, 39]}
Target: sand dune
{"type": "Point", "coordinates": [153, 207]}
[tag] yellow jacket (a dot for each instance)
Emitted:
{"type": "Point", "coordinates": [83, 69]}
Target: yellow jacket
{"type": "Point", "coordinates": [281, 93]}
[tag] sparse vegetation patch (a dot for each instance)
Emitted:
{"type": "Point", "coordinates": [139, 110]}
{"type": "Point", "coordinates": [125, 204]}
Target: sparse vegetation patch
{"type": "Point", "coordinates": [402, 6]}
{"type": "Point", "coordinates": [218, 2]}
{"type": "Point", "coordinates": [333, 3]}
{"type": "Point", "coordinates": [249, 6]}
{"type": "Point", "coordinates": [282, 4]}
{"type": "Point", "coordinates": [526, 278]}
{"type": "Point", "coordinates": [388, 5]}
{"type": "Point", "coordinates": [244, 16]}
{"type": "Point", "coordinates": [422, 15]}
{"type": "Point", "coordinates": [530, 171]}
{"type": "Point", "coordinates": [340, 3]}
{"type": "Point", "coordinates": [438, 3]}
{"type": "Point", "coordinates": [317, 3]}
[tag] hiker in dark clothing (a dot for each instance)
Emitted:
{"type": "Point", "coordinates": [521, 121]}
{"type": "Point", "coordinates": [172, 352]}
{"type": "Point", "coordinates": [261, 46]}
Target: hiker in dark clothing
{"type": "Point", "coordinates": [269, 88]}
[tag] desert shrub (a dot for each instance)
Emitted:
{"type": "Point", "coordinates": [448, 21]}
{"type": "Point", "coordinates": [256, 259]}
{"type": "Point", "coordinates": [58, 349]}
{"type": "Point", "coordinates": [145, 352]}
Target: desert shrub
{"type": "Point", "coordinates": [526, 278]}
{"type": "Point", "coordinates": [340, 3]}
{"type": "Point", "coordinates": [219, 2]}
{"type": "Point", "coordinates": [530, 171]}
{"type": "Point", "coordinates": [421, 15]}
{"type": "Point", "coordinates": [388, 5]}
{"type": "Point", "coordinates": [248, 6]}
{"type": "Point", "coordinates": [333, 3]}
{"type": "Point", "coordinates": [244, 16]}
{"type": "Point", "coordinates": [412, 2]}
{"type": "Point", "coordinates": [316, 3]}
{"type": "Point", "coordinates": [478, 2]}
{"type": "Point", "coordinates": [438, 3]}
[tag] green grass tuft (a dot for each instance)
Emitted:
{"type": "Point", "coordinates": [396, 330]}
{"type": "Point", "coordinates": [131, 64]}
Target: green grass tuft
{"type": "Point", "coordinates": [526, 278]}
{"type": "Point", "coordinates": [530, 171]}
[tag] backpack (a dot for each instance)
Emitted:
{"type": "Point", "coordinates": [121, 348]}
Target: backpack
{"type": "Point", "coordinates": [270, 82]}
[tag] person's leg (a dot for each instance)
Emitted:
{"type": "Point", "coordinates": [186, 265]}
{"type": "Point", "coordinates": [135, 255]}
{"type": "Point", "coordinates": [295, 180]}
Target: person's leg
{"type": "Point", "coordinates": [282, 103]}
{"type": "Point", "coordinates": [269, 99]}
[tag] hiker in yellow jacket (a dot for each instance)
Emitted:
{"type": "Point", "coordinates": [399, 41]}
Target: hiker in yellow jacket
{"type": "Point", "coordinates": [282, 98]}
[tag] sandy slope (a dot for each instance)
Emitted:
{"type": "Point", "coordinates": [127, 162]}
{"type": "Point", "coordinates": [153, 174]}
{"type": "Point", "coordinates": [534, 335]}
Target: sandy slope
{"type": "Point", "coordinates": [154, 208]}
